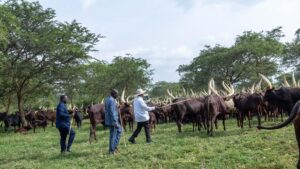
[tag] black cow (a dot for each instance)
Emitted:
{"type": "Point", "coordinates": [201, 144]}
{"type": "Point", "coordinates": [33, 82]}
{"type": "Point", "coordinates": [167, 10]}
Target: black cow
{"type": "Point", "coordinates": [12, 120]}
{"type": "Point", "coordinates": [2, 117]}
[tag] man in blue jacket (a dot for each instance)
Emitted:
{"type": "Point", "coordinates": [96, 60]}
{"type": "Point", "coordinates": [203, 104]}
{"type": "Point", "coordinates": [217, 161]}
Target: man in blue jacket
{"type": "Point", "coordinates": [112, 121]}
{"type": "Point", "coordinates": [63, 125]}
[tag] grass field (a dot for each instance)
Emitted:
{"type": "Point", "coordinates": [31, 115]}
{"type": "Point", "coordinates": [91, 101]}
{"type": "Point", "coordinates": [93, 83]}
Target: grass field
{"type": "Point", "coordinates": [234, 148]}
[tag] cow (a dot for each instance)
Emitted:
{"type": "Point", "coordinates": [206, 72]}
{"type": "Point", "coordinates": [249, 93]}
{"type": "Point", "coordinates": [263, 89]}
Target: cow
{"type": "Point", "coordinates": [2, 117]}
{"type": "Point", "coordinates": [39, 123]}
{"type": "Point", "coordinates": [51, 116]}
{"type": "Point", "coordinates": [193, 108]}
{"type": "Point", "coordinates": [12, 120]}
{"type": "Point", "coordinates": [214, 106]}
{"type": "Point", "coordinates": [246, 104]}
{"type": "Point", "coordinates": [126, 115]}
{"type": "Point", "coordinates": [289, 100]}
{"type": "Point", "coordinates": [152, 121]}
{"type": "Point", "coordinates": [96, 115]}
{"type": "Point", "coordinates": [78, 118]}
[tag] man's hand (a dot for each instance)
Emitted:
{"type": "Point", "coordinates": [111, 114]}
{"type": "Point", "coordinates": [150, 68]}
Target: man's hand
{"type": "Point", "coordinates": [116, 125]}
{"type": "Point", "coordinates": [158, 108]}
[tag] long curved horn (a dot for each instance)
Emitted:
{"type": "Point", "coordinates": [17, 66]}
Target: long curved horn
{"type": "Point", "coordinates": [258, 85]}
{"type": "Point", "coordinates": [225, 86]}
{"type": "Point", "coordinates": [294, 80]}
{"type": "Point", "coordinates": [264, 78]}
{"type": "Point", "coordinates": [212, 85]}
{"type": "Point", "coordinates": [184, 91]}
{"type": "Point", "coordinates": [123, 96]}
{"type": "Point", "coordinates": [252, 88]}
{"type": "Point", "coordinates": [286, 83]}
{"type": "Point", "coordinates": [170, 94]}
{"type": "Point", "coordinates": [191, 90]}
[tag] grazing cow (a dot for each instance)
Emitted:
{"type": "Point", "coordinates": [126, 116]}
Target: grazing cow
{"type": "Point", "coordinates": [96, 114]}
{"type": "Point", "coordinates": [2, 117]}
{"type": "Point", "coordinates": [127, 116]}
{"type": "Point", "coordinates": [152, 121]}
{"type": "Point", "coordinates": [12, 120]}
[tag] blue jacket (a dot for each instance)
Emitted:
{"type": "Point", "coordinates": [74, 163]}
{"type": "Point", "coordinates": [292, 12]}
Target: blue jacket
{"type": "Point", "coordinates": [111, 112]}
{"type": "Point", "coordinates": [62, 116]}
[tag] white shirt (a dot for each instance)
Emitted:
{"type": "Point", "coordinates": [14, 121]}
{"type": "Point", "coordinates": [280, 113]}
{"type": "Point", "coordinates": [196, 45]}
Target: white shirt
{"type": "Point", "coordinates": [141, 109]}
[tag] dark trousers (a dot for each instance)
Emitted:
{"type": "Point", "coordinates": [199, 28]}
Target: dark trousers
{"type": "Point", "coordinates": [64, 132]}
{"type": "Point", "coordinates": [140, 125]}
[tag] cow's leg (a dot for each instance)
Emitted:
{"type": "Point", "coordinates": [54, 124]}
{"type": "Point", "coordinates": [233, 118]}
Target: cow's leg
{"type": "Point", "coordinates": [224, 122]}
{"type": "Point", "coordinates": [213, 120]}
{"type": "Point", "coordinates": [249, 119]}
{"type": "Point", "coordinates": [179, 124]}
{"type": "Point", "coordinates": [91, 133]}
{"type": "Point", "coordinates": [238, 119]}
{"type": "Point", "coordinates": [216, 124]}
{"type": "Point", "coordinates": [258, 118]}
{"type": "Point", "coordinates": [94, 132]}
{"type": "Point", "coordinates": [281, 114]}
{"type": "Point", "coordinates": [124, 125]}
{"type": "Point", "coordinates": [297, 133]}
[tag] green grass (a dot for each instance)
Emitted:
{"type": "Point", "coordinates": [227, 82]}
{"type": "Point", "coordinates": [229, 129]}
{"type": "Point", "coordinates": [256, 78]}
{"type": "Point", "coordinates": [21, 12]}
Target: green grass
{"type": "Point", "coordinates": [234, 148]}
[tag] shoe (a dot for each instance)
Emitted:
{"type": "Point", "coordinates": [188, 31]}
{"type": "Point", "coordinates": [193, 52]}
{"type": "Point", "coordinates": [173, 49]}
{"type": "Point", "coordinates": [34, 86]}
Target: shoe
{"type": "Point", "coordinates": [117, 150]}
{"type": "Point", "coordinates": [132, 141]}
{"type": "Point", "coordinates": [149, 141]}
{"type": "Point", "coordinates": [63, 152]}
{"type": "Point", "coordinates": [111, 153]}
{"type": "Point", "coordinates": [69, 151]}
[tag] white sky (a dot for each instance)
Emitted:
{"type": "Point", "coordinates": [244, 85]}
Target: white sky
{"type": "Point", "coordinates": [172, 32]}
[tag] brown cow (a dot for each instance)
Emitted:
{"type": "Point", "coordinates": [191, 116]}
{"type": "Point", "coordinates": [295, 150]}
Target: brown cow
{"type": "Point", "coordinates": [127, 115]}
{"type": "Point", "coordinates": [96, 114]}
{"type": "Point", "coordinates": [152, 121]}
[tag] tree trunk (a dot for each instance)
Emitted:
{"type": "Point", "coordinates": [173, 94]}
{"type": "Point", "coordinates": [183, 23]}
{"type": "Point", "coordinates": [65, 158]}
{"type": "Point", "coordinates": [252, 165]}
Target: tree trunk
{"type": "Point", "coordinates": [8, 103]}
{"type": "Point", "coordinates": [20, 107]}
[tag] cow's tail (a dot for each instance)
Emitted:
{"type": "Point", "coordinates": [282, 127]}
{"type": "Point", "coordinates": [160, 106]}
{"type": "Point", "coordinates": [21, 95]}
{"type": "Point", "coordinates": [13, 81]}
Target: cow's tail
{"type": "Point", "coordinates": [293, 114]}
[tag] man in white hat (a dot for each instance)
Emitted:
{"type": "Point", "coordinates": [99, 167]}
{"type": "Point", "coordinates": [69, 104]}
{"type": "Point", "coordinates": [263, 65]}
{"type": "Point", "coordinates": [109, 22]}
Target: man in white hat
{"type": "Point", "coordinates": [141, 116]}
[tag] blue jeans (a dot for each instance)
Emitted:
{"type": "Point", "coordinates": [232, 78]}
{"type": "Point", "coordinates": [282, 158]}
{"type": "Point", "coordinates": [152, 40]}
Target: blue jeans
{"type": "Point", "coordinates": [114, 137]}
{"type": "Point", "coordinates": [63, 136]}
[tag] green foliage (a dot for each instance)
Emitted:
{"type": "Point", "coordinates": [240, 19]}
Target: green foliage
{"type": "Point", "coordinates": [159, 89]}
{"type": "Point", "coordinates": [234, 148]}
{"type": "Point", "coordinates": [239, 64]}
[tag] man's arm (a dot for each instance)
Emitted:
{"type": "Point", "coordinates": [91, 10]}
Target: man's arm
{"type": "Point", "coordinates": [114, 112]}
{"type": "Point", "coordinates": [62, 111]}
{"type": "Point", "coordinates": [145, 107]}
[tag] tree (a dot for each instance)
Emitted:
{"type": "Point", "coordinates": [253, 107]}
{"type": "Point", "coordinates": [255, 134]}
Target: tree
{"type": "Point", "coordinates": [41, 48]}
{"type": "Point", "coordinates": [239, 64]}
{"type": "Point", "coordinates": [159, 89]}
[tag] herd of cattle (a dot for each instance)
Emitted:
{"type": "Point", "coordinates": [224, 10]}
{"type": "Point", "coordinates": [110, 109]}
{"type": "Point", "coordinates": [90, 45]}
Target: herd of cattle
{"type": "Point", "coordinates": [203, 109]}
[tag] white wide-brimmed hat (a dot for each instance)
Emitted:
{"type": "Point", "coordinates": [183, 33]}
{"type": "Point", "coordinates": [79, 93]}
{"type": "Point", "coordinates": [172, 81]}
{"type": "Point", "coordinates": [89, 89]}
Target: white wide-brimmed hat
{"type": "Point", "coordinates": [140, 92]}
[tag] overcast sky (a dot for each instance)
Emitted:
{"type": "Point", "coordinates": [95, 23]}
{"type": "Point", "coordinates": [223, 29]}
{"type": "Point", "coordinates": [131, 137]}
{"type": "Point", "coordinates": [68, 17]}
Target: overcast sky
{"type": "Point", "coordinates": [172, 32]}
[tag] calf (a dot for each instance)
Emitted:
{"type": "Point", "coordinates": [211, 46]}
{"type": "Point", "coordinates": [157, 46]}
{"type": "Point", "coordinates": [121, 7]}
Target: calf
{"type": "Point", "coordinates": [78, 118]}
{"type": "Point", "coordinates": [152, 121]}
